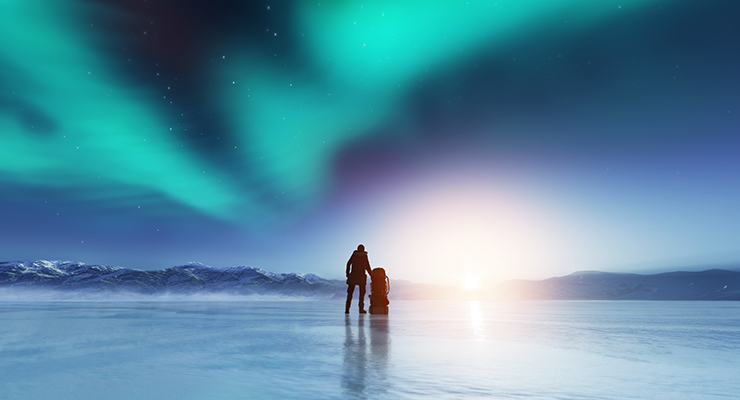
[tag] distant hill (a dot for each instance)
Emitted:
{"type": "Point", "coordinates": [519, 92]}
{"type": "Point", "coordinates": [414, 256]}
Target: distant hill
{"type": "Point", "coordinates": [713, 284]}
{"type": "Point", "coordinates": [97, 280]}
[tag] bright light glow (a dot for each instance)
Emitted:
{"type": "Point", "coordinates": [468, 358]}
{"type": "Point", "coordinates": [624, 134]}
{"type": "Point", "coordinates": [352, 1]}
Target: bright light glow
{"type": "Point", "coordinates": [470, 282]}
{"type": "Point", "coordinates": [465, 234]}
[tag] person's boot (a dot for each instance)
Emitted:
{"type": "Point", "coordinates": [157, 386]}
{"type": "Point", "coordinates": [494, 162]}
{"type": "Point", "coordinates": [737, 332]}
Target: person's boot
{"type": "Point", "coordinates": [362, 309]}
{"type": "Point", "coordinates": [346, 308]}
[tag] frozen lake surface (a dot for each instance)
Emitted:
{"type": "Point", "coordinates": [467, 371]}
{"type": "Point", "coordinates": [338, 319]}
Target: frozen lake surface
{"type": "Point", "coordinates": [311, 350]}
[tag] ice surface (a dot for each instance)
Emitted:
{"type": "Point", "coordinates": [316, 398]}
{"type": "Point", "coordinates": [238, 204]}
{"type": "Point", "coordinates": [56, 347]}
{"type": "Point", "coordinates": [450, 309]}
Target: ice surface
{"type": "Point", "coordinates": [424, 349]}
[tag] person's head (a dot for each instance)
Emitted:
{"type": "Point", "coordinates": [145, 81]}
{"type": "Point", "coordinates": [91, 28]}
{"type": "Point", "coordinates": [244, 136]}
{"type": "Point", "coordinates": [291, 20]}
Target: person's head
{"type": "Point", "coordinates": [361, 247]}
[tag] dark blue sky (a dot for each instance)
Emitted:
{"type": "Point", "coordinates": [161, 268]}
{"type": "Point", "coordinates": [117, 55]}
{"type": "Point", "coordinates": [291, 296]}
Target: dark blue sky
{"type": "Point", "coordinates": [456, 140]}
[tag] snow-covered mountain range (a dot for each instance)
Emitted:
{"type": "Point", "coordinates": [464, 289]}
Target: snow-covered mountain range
{"type": "Point", "coordinates": [184, 279]}
{"type": "Point", "coordinates": [74, 280]}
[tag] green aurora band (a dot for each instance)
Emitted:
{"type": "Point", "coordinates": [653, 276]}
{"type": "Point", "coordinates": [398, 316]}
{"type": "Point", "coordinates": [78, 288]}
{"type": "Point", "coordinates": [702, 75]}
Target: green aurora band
{"type": "Point", "coordinates": [358, 61]}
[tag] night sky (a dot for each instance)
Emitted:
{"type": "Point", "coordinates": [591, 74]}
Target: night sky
{"type": "Point", "coordinates": [458, 140]}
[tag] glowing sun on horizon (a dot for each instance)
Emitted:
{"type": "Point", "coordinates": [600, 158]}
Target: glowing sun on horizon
{"type": "Point", "coordinates": [470, 282]}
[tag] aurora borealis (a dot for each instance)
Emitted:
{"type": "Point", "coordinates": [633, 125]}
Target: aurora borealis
{"type": "Point", "coordinates": [495, 139]}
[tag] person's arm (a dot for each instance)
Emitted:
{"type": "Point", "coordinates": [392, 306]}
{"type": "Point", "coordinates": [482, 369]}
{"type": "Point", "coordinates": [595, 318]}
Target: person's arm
{"type": "Point", "coordinates": [349, 262]}
{"type": "Point", "coordinates": [369, 270]}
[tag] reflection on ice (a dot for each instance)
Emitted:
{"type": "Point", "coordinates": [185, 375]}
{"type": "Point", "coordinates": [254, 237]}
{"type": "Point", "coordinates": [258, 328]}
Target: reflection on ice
{"type": "Point", "coordinates": [355, 358]}
{"type": "Point", "coordinates": [476, 320]}
{"type": "Point", "coordinates": [365, 364]}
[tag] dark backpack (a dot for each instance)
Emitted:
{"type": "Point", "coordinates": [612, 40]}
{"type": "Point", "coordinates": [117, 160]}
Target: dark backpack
{"type": "Point", "coordinates": [379, 288]}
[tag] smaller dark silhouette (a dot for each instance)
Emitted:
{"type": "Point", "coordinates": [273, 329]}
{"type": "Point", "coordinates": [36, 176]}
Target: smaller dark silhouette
{"type": "Point", "coordinates": [379, 289]}
{"type": "Point", "coordinates": [356, 267]}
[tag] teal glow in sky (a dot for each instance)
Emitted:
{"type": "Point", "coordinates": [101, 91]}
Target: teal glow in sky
{"type": "Point", "coordinates": [498, 139]}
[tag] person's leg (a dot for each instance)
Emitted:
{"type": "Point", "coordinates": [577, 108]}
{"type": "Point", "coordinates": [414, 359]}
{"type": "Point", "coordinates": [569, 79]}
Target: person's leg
{"type": "Point", "coordinates": [362, 298]}
{"type": "Point", "coordinates": [350, 292]}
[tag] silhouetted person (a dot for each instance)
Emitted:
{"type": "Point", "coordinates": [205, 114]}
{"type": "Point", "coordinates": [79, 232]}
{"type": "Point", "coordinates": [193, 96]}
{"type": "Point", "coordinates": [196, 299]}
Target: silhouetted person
{"type": "Point", "coordinates": [356, 267]}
